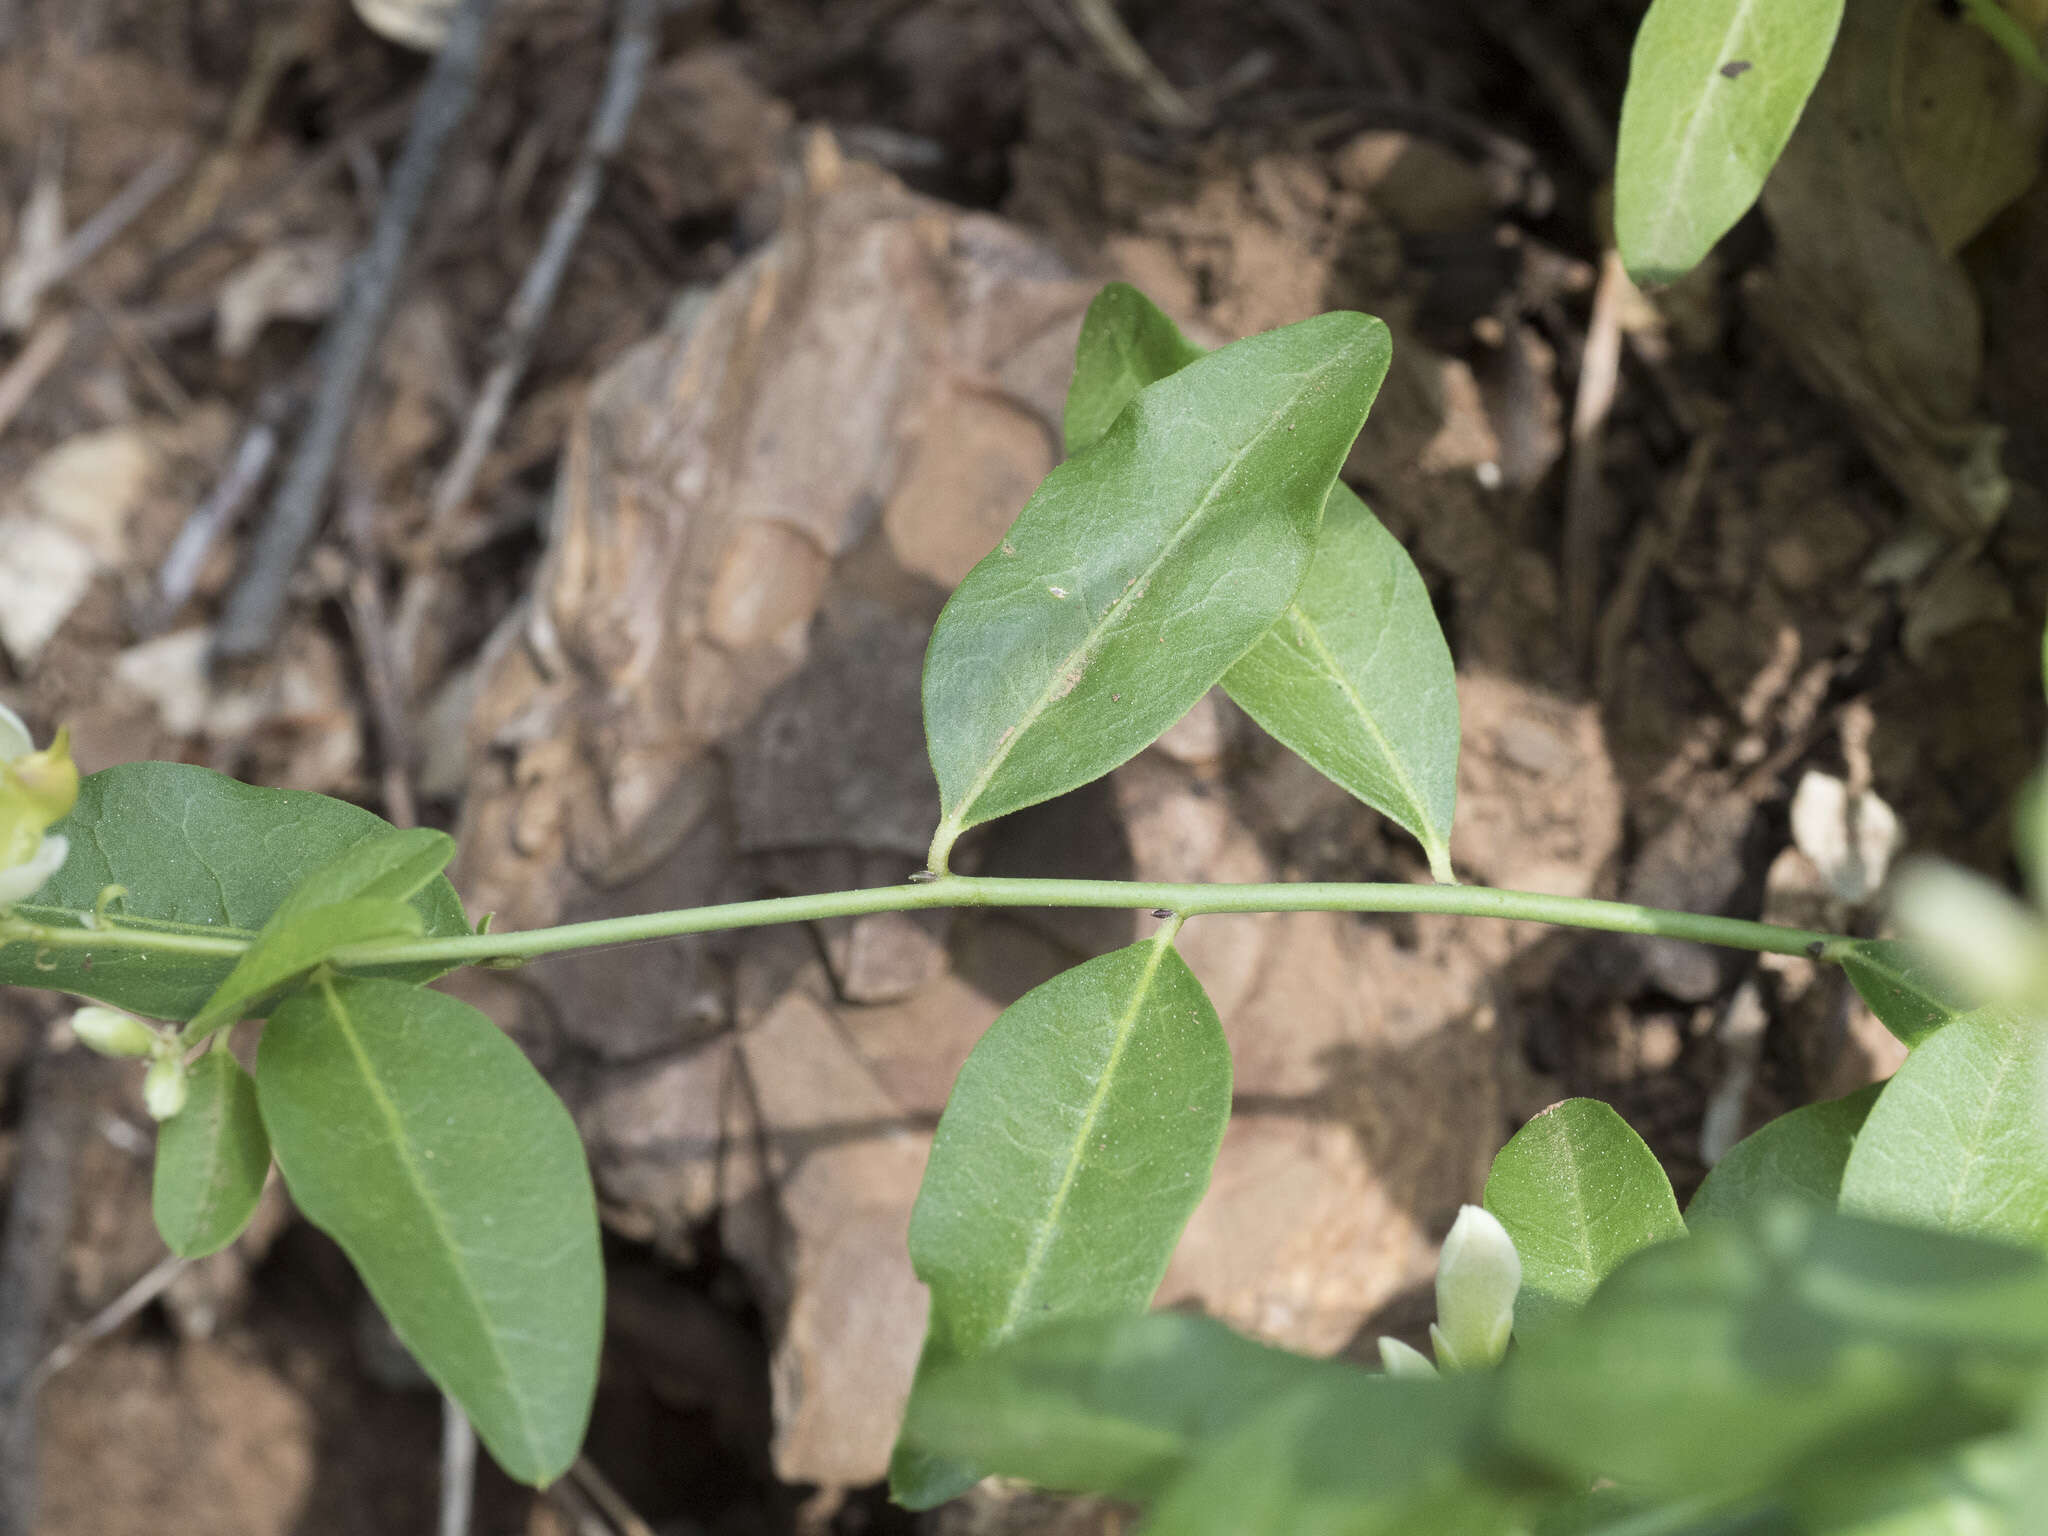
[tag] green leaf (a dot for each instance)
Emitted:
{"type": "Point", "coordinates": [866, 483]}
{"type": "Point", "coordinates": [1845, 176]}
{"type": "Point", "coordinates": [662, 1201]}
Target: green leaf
{"type": "Point", "coordinates": [1959, 1138]}
{"type": "Point", "coordinates": [1792, 1345]}
{"type": "Point", "coordinates": [1798, 1156]}
{"type": "Point", "coordinates": [1578, 1192]}
{"type": "Point", "coordinates": [211, 1158]}
{"type": "Point", "coordinates": [1910, 995]}
{"type": "Point", "coordinates": [196, 853]}
{"type": "Point", "coordinates": [1142, 569]}
{"type": "Point", "coordinates": [411, 1130]}
{"type": "Point", "coordinates": [1111, 1405]}
{"type": "Point", "coordinates": [1715, 88]}
{"type": "Point", "coordinates": [1127, 342]}
{"type": "Point", "coordinates": [1078, 1138]}
{"type": "Point", "coordinates": [1354, 676]}
{"type": "Point", "coordinates": [1348, 1456]}
{"type": "Point", "coordinates": [357, 897]}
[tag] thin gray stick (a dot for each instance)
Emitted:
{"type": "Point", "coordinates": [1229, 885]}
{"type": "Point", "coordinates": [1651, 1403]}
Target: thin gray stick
{"type": "Point", "coordinates": [31, 1257]}
{"type": "Point", "coordinates": [38, 355]}
{"type": "Point", "coordinates": [209, 520]}
{"type": "Point", "coordinates": [366, 617]}
{"type": "Point", "coordinates": [632, 50]}
{"type": "Point", "coordinates": [250, 621]}
{"type": "Point", "coordinates": [96, 233]}
{"type": "Point", "coordinates": [458, 1469]}
{"type": "Point", "coordinates": [154, 1282]}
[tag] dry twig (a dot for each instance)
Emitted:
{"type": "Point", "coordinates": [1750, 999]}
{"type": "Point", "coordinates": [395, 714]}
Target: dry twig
{"type": "Point", "coordinates": [27, 284]}
{"type": "Point", "coordinates": [1586, 500]}
{"type": "Point", "coordinates": [1100, 21]}
{"type": "Point", "coordinates": [249, 622]}
{"type": "Point", "coordinates": [154, 1282]}
{"type": "Point", "coordinates": [372, 631]}
{"type": "Point", "coordinates": [632, 50]}
{"type": "Point", "coordinates": [32, 364]}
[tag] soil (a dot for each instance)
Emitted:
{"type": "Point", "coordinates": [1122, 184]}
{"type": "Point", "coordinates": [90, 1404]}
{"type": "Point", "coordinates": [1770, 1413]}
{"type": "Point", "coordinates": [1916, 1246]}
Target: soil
{"type": "Point", "coordinates": [1648, 672]}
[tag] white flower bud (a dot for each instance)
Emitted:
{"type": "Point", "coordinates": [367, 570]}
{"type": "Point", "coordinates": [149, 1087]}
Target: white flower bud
{"type": "Point", "coordinates": [1477, 1278]}
{"type": "Point", "coordinates": [164, 1087]}
{"type": "Point", "coordinates": [112, 1032]}
{"type": "Point", "coordinates": [1401, 1361]}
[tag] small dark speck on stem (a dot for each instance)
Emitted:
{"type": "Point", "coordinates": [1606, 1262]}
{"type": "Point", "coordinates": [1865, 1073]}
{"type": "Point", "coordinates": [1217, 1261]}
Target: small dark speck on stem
{"type": "Point", "coordinates": [1162, 913]}
{"type": "Point", "coordinates": [923, 877]}
{"type": "Point", "coordinates": [1817, 949]}
{"type": "Point", "coordinates": [1734, 69]}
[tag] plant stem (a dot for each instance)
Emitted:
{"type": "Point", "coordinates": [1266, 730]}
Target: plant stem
{"type": "Point", "coordinates": [1183, 901]}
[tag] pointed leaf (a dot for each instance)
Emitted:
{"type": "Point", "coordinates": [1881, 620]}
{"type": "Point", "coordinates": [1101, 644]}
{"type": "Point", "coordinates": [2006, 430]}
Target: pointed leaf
{"type": "Point", "coordinates": [211, 1159]}
{"type": "Point", "coordinates": [412, 1131]}
{"type": "Point", "coordinates": [1357, 679]}
{"type": "Point", "coordinates": [1077, 1140]}
{"type": "Point", "coordinates": [1141, 570]}
{"type": "Point", "coordinates": [290, 945]}
{"type": "Point", "coordinates": [1910, 995]}
{"type": "Point", "coordinates": [1798, 1156]}
{"type": "Point", "coordinates": [1127, 342]}
{"type": "Point", "coordinates": [198, 855]}
{"type": "Point", "coordinates": [1959, 1137]}
{"type": "Point", "coordinates": [1354, 676]}
{"type": "Point", "coordinates": [1579, 1192]}
{"type": "Point", "coordinates": [1715, 88]}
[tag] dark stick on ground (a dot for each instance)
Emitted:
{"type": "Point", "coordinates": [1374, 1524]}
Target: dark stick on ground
{"type": "Point", "coordinates": [632, 49]}
{"type": "Point", "coordinates": [250, 621]}
{"type": "Point", "coordinates": [31, 1258]}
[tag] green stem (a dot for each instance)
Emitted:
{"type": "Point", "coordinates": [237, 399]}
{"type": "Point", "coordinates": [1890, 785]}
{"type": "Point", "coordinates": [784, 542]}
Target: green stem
{"type": "Point", "coordinates": [1183, 901]}
{"type": "Point", "coordinates": [2005, 30]}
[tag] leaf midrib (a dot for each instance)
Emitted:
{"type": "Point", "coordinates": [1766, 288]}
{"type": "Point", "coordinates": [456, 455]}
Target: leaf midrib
{"type": "Point", "coordinates": [1131, 593]}
{"type": "Point", "coordinates": [1041, 1242]}
{"type": "Point", "coordinates": [1422, 826]}
{"type": "Point", "coordinates": [1673, 185]}
{"type": "Point", "coordinates": [395, 1124]}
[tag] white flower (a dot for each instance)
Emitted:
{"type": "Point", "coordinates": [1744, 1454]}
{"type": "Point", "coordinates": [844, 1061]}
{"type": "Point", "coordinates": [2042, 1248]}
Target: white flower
{"type": "Point", "coordinates": [37, 790]}
{"type": "Point", "coordinates": [1477, 1279]}
{"type": "Point", "coordinates": [1400, 1360]}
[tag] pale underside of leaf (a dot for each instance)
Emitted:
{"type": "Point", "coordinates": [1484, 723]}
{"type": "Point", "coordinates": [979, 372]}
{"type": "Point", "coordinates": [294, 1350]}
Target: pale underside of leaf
{"type": "Point", "coordinates": [1359, 638]}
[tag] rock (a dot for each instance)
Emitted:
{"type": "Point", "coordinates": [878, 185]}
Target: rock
{"type": "Point", "coordinates": [841, 1166]}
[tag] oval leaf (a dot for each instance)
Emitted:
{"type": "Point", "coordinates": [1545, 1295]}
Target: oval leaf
{"type": "Point", "coordinates": [411, 1130]}
{"type": "Point", "coordinates": [1138, 572]}
{"type": "Point", "coordinates": [211, 1159]}
{"type": "Point", "coordinates": [1959, 1137]}
{"type": "Point", "coordinates": [1966, 123]}
{"type": "Point", "coordinates": [1578, 1192]}
{"type": "Point", "coordinates": [198, 854]}
{"type": "Point", "coordinates": [1798, 1156]}
{"type": "Point", "coordinates": [1354, 676]}
{"type": "Point", "coordinates": [1909, 994]}
{"type": "Point", "coordinates": [1715, 88]}
{"type": "Point", "coordinates": [1077, 1140]}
